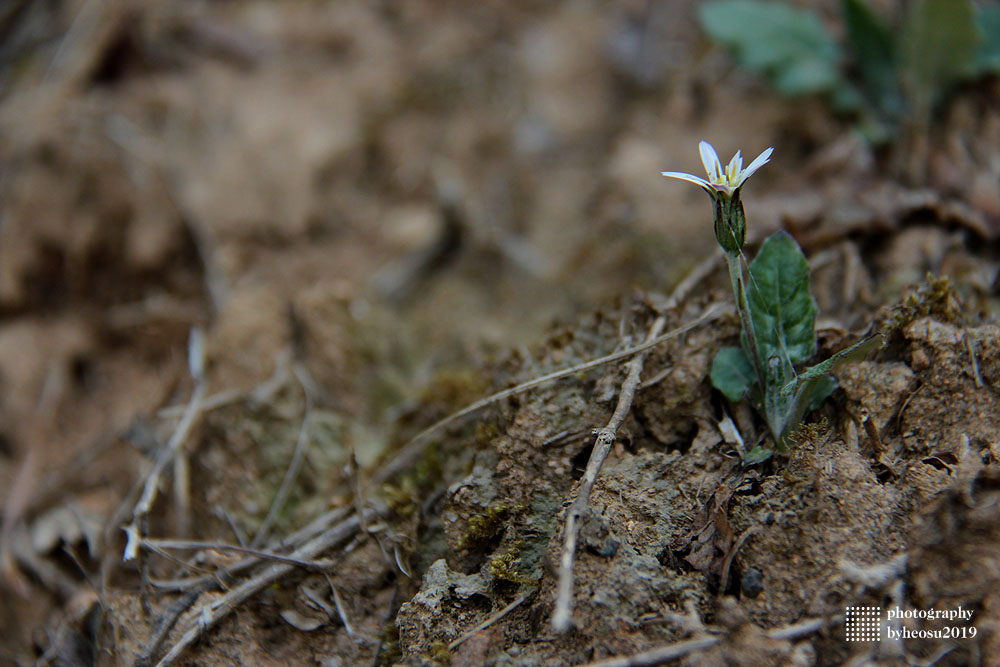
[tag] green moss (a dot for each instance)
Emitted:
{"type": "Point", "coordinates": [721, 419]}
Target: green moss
{"type": "Point", "coordinates": [429, 468]}
{"type": "Point", "coordinates": [486, 433]}
{"type": "Point", "coordinates": [812, 432]}
{"type": "Point", "coordinates": [404, 495]}
{"type": "Point", "coordinates": [507, 565]}
{"type": "Point", "coordinates": [455, 388]}
{"type": "Point", "coordinates": [440, 654]}
{"type": "Point", "coordinates": [483, 528]}
{"type": "Point", "coordinates": [937, 298]}
{"type": "Point", "coordinates": [401, 497]}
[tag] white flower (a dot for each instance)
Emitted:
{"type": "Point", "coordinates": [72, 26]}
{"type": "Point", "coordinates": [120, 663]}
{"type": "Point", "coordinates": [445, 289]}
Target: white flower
{"type": "Point", "coordinates": [727, 179]}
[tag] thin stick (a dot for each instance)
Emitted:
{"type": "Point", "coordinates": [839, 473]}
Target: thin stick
{"type": "Point", "coordinates": [196, 362]}
{"type": "Point", "coordinates": [409, 453]}
{"type": "Point", "coordinates": [158, 545]}
{"type": "Point", "coordinates": [259, 394]}
{"type": "Point", "coordinates": [562, 618]}
{"type": "Point", "coordinates": [241, 539]}
{"type": "Point", "coordinates": [164, 623]}
{"type": "Point", "coordinates": [163, 553]}
{"type": "Point", "coordinates": [662, 654]}
{"type": "Point", "coordinates": [298, 538]}
{"type": "Point", "coordinates": [658, 656]}
{"type": "Point", "coordinates": [796, 630]}
{"type": "Point", "coordinates": [394, 603]}
{"type": "Point", "coordinates": [298, 457]}
{"type": "Point", "coordinates": [221, 399]}
{"type": "Point", "coordinates": [182, 492]}
{"type": "Point", "coordinates": [491, 620]}
{"type": "Point", "coordinates": [214, 612]}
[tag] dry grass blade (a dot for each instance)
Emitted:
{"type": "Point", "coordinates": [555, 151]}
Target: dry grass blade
{"type": "Point", "coordinates": [184, 545]}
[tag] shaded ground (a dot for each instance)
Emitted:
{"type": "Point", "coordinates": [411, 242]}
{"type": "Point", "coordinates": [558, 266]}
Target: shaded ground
{"type": "Point", "coordinates": [376, 213]}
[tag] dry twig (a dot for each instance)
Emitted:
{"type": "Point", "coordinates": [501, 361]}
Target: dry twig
{"type": "Point", "coordinates": [658, 656]}
{"type": "Point", "coordinates": [165, 622]}
{"type": "Point", "coordinates": [196, 363]}
{"type": "Point", "coordinates": [297, 539]}
{"type": "Point", "coordinates": [260, 394]}
{"type": "Point", "coordinates": [662, 654]}
{"type": "Point", "coordinates": [210, 615]}
{"type": "Point", "coordinates": [562, 618]}
{"type": "Point", "coordinates": [158, 546]}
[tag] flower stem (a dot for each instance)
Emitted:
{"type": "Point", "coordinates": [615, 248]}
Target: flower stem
{"type": "Point", "coordinates": [743, 307]}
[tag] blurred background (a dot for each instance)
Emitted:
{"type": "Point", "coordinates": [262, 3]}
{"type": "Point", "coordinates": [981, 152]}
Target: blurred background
{"type": "Point", "coordinates": [394, 190]}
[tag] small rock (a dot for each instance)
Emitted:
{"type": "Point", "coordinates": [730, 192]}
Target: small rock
{"type": "Point", "coordinates": [753, 582]}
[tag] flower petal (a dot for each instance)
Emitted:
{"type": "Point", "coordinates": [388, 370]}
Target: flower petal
{"type": "Point", "coordinates": [735, 166]}
{"type": "Point", "coordinates": [757, 163]}
{"type": "Point", "coordinates": [690, 178]}
{"type": "Point", "coordinates": [710, 159]}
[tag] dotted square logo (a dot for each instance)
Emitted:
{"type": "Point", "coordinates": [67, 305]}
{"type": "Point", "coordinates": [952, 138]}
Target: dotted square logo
{"type": "Point", "coordinates": [863, 624]}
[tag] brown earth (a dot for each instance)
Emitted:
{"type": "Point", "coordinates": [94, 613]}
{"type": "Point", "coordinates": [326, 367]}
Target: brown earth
{"type": "Point", "coordinates": [379, 214]}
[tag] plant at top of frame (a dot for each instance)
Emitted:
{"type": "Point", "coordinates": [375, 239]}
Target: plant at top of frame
{"type": "Point", "coordinates": [777, 312]}
{"type": "Point", "coordinates": [887, 73]}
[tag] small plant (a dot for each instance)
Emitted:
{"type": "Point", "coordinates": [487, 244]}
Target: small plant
{"type": "Point", "coordinates": [890, 75]}
{"type": "Point", "coordinates": [776, 311]}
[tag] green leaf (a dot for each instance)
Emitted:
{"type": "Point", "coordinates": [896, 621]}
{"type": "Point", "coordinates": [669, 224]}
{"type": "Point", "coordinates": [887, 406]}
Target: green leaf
{"type": "Point", "coordinates": [789, 45]}
{"type": "Point", "coordinates": [817, 392]}
{"type": "Point", "coordinates": [846, 98]}
{"type": "Point", "coordinates": [872, 50]}
{"type": "Point", "coordinates": [814, 384]}
{"type": "Point", "coordinates": [937, 47]}
{"type": "Point", "coordinates": [757, 455]}
{"type": "Point", "coordinates": [856, 352]}
{"type": "Point", "coordinates": [988, 55]}
{"type": "Point", "coordinates": [809, 396]}
{"type": "Point", "coordinates": [732, 373]}
{"type": "Point", "coordinates": [782, 310]}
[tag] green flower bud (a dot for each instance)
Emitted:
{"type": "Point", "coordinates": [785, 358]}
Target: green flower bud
{"type": "Point", "coordinates": [730, 222]}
